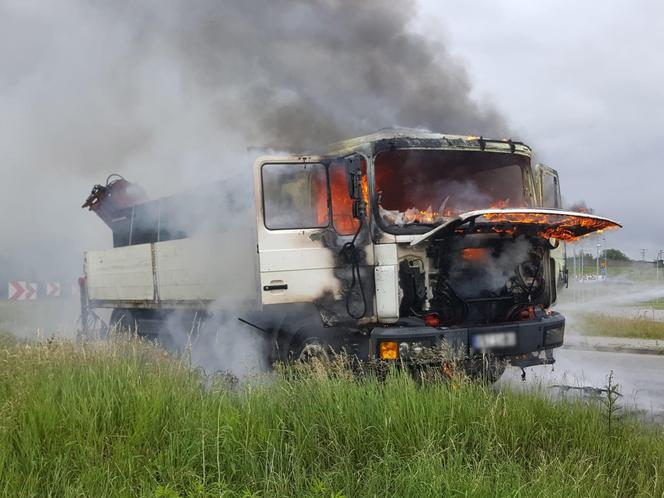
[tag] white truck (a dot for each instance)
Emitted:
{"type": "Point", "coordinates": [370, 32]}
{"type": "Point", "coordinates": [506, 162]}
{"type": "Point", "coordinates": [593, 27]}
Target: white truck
{"type": "Point", "coordinates": [389, 246]}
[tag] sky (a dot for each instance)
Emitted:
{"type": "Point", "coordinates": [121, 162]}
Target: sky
{"type": "Point", "coordinates": [171, 93]}
{"type": "Point", "coordinates": [583, 84]}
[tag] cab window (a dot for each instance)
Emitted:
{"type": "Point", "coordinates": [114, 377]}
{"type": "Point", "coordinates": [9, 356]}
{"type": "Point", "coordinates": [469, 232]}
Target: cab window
{"type": "Point", "coordinates": [295, 196]}
{"type": "Point", "coordinates": [550, 191]}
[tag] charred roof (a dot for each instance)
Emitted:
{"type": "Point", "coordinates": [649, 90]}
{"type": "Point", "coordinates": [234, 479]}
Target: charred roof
{"type": "Point", "coordinates": [413, 138]}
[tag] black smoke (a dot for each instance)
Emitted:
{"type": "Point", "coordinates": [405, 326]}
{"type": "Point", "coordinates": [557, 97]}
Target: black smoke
{"type": "Point", "coordinates": [170, 93]}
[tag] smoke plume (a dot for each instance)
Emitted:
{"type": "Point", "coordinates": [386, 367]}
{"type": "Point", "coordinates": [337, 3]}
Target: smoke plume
{"type": "Point", "coordinates": [171, 93]}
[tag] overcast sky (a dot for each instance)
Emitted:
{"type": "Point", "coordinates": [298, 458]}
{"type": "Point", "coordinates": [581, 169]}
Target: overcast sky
{"type": "Point", "coordinates": [581, 82]}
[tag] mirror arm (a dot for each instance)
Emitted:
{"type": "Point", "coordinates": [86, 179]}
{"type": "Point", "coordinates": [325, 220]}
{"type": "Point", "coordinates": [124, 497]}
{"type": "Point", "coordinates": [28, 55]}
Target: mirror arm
{"type": "Point", "coordinates": [354, 175]}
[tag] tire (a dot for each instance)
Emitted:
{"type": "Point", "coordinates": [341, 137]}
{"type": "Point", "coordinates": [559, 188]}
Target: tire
{"type": "Point", "coordinates": [309, 350]}
{"type": "Point", "coordinates": [125, 322]}
{"type": "Point", "coordinates": [122, 321]}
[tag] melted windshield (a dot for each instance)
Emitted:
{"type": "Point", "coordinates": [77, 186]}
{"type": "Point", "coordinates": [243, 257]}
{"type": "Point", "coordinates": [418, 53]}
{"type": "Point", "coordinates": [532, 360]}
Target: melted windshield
{"type": "Point", "coordinates": [428, 187]}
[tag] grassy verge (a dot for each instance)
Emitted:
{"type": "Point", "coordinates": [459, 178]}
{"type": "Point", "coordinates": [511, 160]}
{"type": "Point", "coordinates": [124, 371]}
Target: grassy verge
{"type": "Point", "coordinates": [639, 327]}
{"type": "Point", "coordinates": [657, 304]}
{"type": "Point", "coordinates": [125, 419]}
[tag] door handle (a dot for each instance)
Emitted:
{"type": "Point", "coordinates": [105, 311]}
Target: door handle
{"type": "Point", "coordinates": [275, 287]}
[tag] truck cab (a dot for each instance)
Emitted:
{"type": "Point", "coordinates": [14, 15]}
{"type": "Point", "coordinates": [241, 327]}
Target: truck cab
{"type": "Point", "coordinates": [403, 242]}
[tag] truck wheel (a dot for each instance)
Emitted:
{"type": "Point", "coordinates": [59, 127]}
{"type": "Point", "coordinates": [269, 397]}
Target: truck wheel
{"type": "Point", "coordinates": [122, 322]}
{"type": "Point", "coordinates": [310, 350]}
{"type": "Point", "coordinates": [145, 325]}
{"type": "Point", "coordinates": [486, 369]}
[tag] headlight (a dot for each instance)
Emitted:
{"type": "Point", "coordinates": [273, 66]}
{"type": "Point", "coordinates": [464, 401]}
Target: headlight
{"type": "Point", "coordinates": [411, 349]}
{"type": "Point", "coordinates": [554, 335]}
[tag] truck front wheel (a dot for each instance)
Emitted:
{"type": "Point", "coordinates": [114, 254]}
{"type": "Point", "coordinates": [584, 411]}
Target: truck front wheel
{"type": "Point", "coordinates": [310, 350]}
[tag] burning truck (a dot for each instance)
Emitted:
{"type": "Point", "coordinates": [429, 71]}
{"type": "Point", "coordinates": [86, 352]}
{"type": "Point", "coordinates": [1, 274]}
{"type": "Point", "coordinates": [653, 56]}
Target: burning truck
{"type": "Point", "coordinates": [394, 247]}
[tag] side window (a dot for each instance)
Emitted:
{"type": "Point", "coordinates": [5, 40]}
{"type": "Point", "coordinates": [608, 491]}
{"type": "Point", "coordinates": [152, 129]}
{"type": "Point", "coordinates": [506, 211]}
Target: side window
{"type": "Point", "coordinates": [550, 191]}
{"type": "Point", "coordinates": [342, 204]}
{"type": "Point", "coordinates": [295, 196]}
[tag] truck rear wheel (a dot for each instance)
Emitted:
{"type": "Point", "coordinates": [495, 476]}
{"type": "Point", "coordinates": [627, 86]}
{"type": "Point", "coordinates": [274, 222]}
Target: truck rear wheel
{"type": "Point", "coordinates": [127, 322]}
{"type": "Point", "coordinates": [122, 322]}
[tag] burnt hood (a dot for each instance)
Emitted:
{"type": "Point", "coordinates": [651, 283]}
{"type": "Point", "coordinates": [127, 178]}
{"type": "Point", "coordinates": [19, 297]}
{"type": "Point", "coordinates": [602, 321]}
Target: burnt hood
{"type": "Point", "coordinates": [546, 223]}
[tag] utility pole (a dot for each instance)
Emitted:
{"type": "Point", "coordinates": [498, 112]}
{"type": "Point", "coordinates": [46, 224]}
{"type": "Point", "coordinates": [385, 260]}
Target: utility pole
{"type": "Point", "coordinates": [643, 254]}
{"type": "Point", "coordinates": [659, 255]}
{"type": "Point", "coordinates": [597, 259]}
{"type": "Point", "coordinates": [606, 267]}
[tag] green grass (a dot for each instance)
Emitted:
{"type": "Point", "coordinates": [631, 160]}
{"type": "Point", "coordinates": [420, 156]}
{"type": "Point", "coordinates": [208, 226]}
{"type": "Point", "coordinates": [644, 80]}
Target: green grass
{"type": "Point", "coordinates": [125, 419]}
{"type": "Point", "coordinates": [657, 304]}
{"type": "Point", "coordinates": [638, 327]}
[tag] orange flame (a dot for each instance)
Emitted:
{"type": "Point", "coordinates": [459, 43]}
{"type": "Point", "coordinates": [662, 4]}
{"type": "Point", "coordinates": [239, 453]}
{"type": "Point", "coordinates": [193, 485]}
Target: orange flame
{"type": "Point", "coordinates": [431, 216]}
{"type": "Point", "coordinates": [474, 253]}
{"type": "Point", "coordinates": [551, 226]}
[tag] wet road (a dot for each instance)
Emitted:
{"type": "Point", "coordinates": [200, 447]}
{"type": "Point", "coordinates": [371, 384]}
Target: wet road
{"type": "Point", "coordinates": [641, 377]}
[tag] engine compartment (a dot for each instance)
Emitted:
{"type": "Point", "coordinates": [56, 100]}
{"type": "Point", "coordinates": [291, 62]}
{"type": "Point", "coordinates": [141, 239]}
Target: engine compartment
{"type": "Point", "coordinates": [477, 279]}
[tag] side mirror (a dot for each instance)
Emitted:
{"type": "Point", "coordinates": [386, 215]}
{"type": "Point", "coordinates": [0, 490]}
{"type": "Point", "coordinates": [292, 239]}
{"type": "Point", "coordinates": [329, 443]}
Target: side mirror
{"type": "Point", "coordinates": [354, 175]}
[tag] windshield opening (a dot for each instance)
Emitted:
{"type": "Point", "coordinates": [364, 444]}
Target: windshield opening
{"type": "Point", "coordinates": [428, 187]}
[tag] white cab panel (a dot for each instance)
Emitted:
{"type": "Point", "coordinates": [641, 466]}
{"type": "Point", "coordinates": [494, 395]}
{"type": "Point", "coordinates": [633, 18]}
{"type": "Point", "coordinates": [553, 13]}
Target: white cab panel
{"type": "Point", "coordinates": [387, 293]}
{"type": "Point", "coordinates": [386, 274]}
{"type": "Point", "coordinates": [302, 285]}
{"type": "Point", "coordinates": [386, 254]}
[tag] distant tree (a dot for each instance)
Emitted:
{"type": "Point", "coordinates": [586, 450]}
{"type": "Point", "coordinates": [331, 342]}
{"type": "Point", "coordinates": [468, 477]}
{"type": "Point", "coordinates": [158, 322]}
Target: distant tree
{"type": "Point", "coordinates": [616, 255]}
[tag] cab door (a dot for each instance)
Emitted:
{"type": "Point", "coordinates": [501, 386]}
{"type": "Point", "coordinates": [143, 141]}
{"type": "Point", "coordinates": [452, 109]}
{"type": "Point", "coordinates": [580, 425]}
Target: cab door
{"type": "Point", "coordinates": [547, 184]}
{"type": "Point", "coordinates": [548, 191]}
{"type": "Point", "coordinates": [300, 233]}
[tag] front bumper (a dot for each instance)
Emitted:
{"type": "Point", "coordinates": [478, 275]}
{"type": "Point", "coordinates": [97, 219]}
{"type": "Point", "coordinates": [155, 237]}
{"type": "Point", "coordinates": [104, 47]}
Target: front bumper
{"type": "Point", "coordinates": [515, 339]}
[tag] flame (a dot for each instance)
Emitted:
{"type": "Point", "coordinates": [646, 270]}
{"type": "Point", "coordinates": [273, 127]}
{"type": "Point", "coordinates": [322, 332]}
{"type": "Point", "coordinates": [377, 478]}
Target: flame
{"type": "Point", "coordinates": [501, 204]}
{"type": "Point", "coordinates": [431, 216]}
{"type": "Point", "coordinates": [342, 204]}
{"type": "Point", "coordinates": [474, 253]}
{"type": "Point", "coordinates": [567, 227]}
{"type": "Point", "coordinates": [564, 227]}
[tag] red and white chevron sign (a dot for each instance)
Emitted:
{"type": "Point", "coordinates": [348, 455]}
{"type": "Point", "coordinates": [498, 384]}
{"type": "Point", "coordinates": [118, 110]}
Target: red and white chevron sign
{"type": "Point", "coordinates": [22, 291]}
{"type": "Point", "coordinates": [52, 289]}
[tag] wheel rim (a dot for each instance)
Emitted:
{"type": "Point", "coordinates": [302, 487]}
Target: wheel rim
{"type": "Point", "coordinates": [313, 350]}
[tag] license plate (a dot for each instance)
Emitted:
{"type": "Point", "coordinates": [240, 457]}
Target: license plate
{"type": "Point", "coordinates": [494, 341]}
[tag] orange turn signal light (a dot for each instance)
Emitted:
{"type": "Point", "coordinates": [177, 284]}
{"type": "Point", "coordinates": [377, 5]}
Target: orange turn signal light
{"type": "Point", "coordinates": [389, 350]}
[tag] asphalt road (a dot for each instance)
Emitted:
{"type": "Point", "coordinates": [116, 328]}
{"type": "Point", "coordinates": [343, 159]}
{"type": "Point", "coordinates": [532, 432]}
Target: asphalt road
{"type": "Point", "coordinates": [640, 378]}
